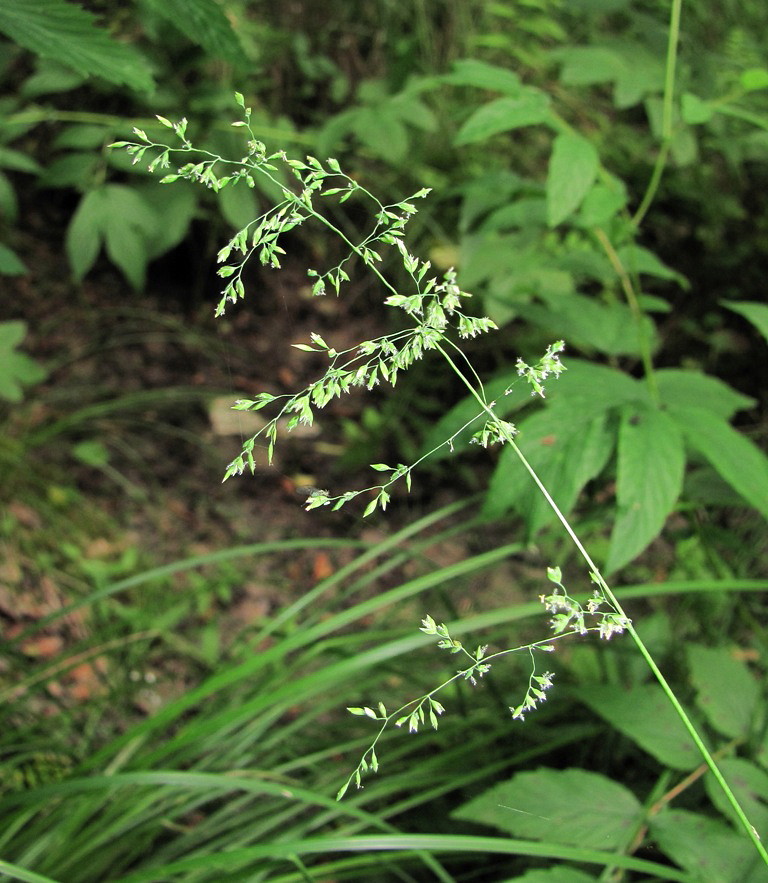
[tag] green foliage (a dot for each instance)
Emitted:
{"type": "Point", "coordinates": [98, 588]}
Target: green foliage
{"type": "Point", "coordinates": [562, 181]}
{"type": "Point", "coordinates": [68, 34]}
{"type": "Point", "coordinates": [16, 369]}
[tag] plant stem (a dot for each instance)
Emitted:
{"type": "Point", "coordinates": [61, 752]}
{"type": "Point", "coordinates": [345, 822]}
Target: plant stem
{"type": "Point", "coordinates": [666, 115]}
{"type": "Point", "coordinates": [645, 653]}
{"type": "Point", "coordinates": [637, 313]}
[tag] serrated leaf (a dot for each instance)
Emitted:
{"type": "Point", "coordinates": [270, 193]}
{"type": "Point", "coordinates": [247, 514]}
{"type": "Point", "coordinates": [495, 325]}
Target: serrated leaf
{"type": "Point", "coordinates": [573, 807]}
{"type": "Point", "coordinates": [755, 313]}
{"type": "Point", "coordinates": [726, 691]}
{"type": "Point", "coordinates": [734, 457]}
{"type": "Point", "coordinates": [572, 170]}
{"type": "Point", "coordinates": [681, 388]}
{"type": "Point", "coordinates": [645, 715]}
{"type": "Point", "coordinates": [749, 784]}
{"type": "Point", "coordinates": [708, 849]}
{"type": "Point", "coordinates": [566, 453]}
{"type": "Point", "coordinates": [68, 34]}
{"type": "Point", "coordinates": [530, 108]}
{"type": "Point", "coordinates": [650, 470]}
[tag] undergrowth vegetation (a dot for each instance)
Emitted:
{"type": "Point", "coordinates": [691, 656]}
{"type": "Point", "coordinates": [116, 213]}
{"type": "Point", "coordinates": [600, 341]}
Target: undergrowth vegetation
{"type": "Point", "coordinates": [591, 172]}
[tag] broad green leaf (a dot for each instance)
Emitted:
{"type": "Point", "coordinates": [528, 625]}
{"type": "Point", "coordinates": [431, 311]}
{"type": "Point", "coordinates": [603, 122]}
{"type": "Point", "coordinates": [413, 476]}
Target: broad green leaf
{"type": "Point", "coordinates": [637, 259]}
{"type": "Point", "coordinates": [82, 137]}
{"type": "Point", "coordinates": [645, 715]}
{"type": "Point", "coordinates": [19, 162]}
{"type": "Point", "coordinates": [694, 111]}
{"type": "Point", "coordinates": [754, 78]}
{"type": "Point", "coordinates": [117, 216]}
{"type": "Point", "coordinates": [205, 23]}
{"type": "Point", "coordinates": [601, 204]}
{"type": "Point", "coordinates": [174, 208]}
{"type": "Point", "coordinates": [749, 783]}
{"type": "Point", "coordinates": [68, 34]}
{"type": "Point", "coordinates": [726, 691]}
{"type": "Point", "coordinates": [10, 265]}
{"type": "Point", "coordinates": [737, 460]}
{"type": "Point", "coordinates": [590, 324]}
{"type": "Point", "coordinates": [651, 465]}
{"type": "Point", "coordinates": [633, 69]}
{"type": "Point", "coordinates": [755, 313]}
{"type": "Point", "coordinates": [681, 388]}
{"type": "Point", "coordinates": [84, 234]}
{"type": "Point", "coordinates": [467, 409]}
{"type": "Point", "coordinates": [566, 449]}
{"type": "Point", "coordinates": [587, 65]}
{"type": "Point", "coordinates": [573, 807]}
{"type": "Point", "coordinates": [72, 170]}
{"type": "Point", "coordinates": [709, 850]}
{"type": "Point", "coordinates": [16, 369]}
{"type": "Point", "coordinates": [472, 72]}
{"type": "Point", "coordinates": [590, 389]}
{"type": "Point", "coordinates": [572, 169]}
{"type": "Point", "coordinates": [530, 108]}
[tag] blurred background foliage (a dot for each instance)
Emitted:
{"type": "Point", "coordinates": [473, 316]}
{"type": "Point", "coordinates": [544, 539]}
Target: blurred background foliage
{"type": "Point", "coordinates": [154, 727]}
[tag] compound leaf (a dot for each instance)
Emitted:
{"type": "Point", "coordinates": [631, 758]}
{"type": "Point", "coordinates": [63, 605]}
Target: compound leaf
{"type": "Point", "coordinates": [205, 23]}
{"type": "Point", "coordinates": [68, 34]}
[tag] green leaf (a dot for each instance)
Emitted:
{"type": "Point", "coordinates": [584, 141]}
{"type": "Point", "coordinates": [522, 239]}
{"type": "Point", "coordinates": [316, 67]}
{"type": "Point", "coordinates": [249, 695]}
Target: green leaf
{"type": "Point", "coordinates": [68, 34]}
{"type": "Point", "coordinates": [472, 72]}
{"type": "Point", "coordinates": [754, 78]}
{"type": "Point", "coordinates": [750, 786]}
{"type": "Point", "coordinates": [651, 466]}
{"type": "Point", "coordinates": [530, 108]}
{"type": "Point", "coordinates": [601, 204]}
{"type": "Point", "coordinates": [16, 369]}
{"type": "Point", "coordinates": [560, 874]}
{"type": "Point", "coordinates": [726, 691]}
{"type": "Point", "coordinates": [119, 217]}
{"type": "Point", "coordinates": [640, 260]}
{"type": "Point", "coordinates": [565, 449]}
{"type": "Point", "coordinates": [734, 457]}
{"type": "Point", "coordinates": [645, 715]}
{"type": "Point", "coordinates": [206, 24]}
{"type": "Point", "coordinates": [10, 265]}
{"type": "Point", "coordinates": [694, 111]}
{"type": "Point", "coordinates": [590, 323]}
{"type": "Point", "coordinates": [573, 807]}
{"type": "Point", "coordinates": [85, 232]}
{"type": "Point", "coordinates": [572, 169]}
{"type": "Point", "coordinates": [238, 204]}
{"type": "Point", "coordinates": [681, 388]}
{"type": "Point", "coordinates": [19, 162]}
{"type": "Point", "coordinates": [755, 313]}
{"type": "Point", "coordinates": [708, 849]}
